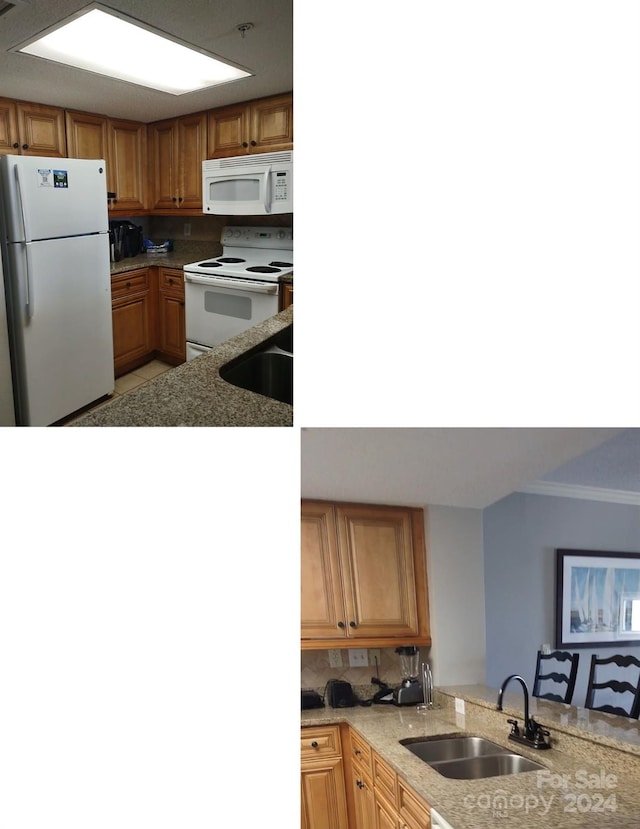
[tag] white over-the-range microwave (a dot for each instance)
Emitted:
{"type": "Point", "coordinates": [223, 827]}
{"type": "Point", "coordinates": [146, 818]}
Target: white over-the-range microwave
{"type": "Point", "coordinates": [248, 185]}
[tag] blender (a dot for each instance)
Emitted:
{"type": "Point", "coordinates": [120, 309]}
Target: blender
{"type": "Point", "coordinates": [409, 692]}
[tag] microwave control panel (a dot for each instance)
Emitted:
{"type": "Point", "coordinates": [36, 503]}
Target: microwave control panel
{"type": "Point", "coordinates": [280, 185]}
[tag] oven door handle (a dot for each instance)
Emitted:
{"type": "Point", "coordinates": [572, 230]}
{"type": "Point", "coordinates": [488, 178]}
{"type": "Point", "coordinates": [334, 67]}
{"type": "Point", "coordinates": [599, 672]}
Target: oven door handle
{"type": "Point", "coordinates": [238, 285]}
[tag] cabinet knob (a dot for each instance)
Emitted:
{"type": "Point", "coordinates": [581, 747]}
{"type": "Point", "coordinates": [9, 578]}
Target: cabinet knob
{"type": "Point", "coordinates": [170, 280]}
{"type": "Point", "coordinates": [352, 624]}
{"type": "Point", "coordinates": [16, 145]}
{"type": "Point", "coordinates": [253, 143]}
{"type": "Point", "coordinates": [174, 199]}
{"type": "Point", "coordinates": [314, 744]}
{"type": "Point", "coordinates": [357, 751]}
{"type": "Point", "coordinates": [341, 625]}
{"type": "Point", "coordinates": [25, 146]}
{"type": "Point", "coordinates": [180, 199]}
{"type": "Point", "coordinates": [244, 144]}
{"type": "Point", "coordinates": [127, 284]}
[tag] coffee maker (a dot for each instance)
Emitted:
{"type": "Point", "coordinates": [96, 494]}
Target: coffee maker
{"type": "Point", "coordinates": [409, 692]}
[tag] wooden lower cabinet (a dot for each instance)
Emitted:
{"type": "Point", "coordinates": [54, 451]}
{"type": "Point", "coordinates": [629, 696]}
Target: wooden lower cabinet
{"type": "Point", "coordinates": [148, 317]}
{"type": "Point", "coordinates": [171, 322]}
{"type": "Point", "coordinates": [286, 295]}
{"type": "Point", "coordinates": [133, 309]}
{"type": "Point", "coordinates": [323, 799]}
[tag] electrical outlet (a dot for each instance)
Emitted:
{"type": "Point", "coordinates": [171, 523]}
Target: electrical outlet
{"type": "Point", "coordinates": [358, 658]}
{"type": "Point", "coordinates": [459, 706]}
{"type": "Point", "coordinates": [187, 229]}
{"type": "Point", "coordinates": [335, 658]}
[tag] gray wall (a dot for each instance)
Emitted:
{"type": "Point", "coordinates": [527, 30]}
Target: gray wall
{"type": "Point", "coordinates": [521, 533]}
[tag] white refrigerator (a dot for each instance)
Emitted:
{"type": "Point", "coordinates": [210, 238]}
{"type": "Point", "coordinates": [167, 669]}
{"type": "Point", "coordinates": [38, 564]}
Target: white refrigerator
{"type": "Point", "coordinates": [7, 417]}
{"type": "Point", "coordinates": [55, 247]}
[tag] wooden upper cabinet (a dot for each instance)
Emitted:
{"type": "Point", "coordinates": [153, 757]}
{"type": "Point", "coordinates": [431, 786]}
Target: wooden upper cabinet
{"type": "Point", "coordinates": [127, 174]}
{"type": "Point", "coordinates": [261, 126]}
{"type": "Point", "coordinates": [87, 135]}
{"type": "Point", "coordinates": [8, 127]}
{"type": "Point", "coordinates": [31, 129]}
{"type": "Point", "coordinates": [177, 149]}
{"type": "Point", "coordinates": [363, 575]}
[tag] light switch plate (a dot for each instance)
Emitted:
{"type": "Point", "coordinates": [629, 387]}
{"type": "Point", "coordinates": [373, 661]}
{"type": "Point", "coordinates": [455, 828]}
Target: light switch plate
{"type": "Point", "coordinates": [358, 658]}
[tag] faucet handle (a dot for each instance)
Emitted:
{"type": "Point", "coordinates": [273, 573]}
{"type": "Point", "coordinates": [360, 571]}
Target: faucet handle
{"type": "Point", "coordinates": [514, 730]}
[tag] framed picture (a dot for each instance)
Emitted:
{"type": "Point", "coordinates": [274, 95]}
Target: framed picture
{"type": "Point", "coordinates": [597, 598]}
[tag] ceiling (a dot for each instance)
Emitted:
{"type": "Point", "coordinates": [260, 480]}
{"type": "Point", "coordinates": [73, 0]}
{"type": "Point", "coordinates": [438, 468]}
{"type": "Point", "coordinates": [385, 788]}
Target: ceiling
{"type": "Point", "coordinates": [266, 50]}
{"type": "Point", "coordinates": [462, 467]}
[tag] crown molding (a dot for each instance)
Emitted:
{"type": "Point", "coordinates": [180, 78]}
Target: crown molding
{"type": "Point", "coordinates": [587, 493]}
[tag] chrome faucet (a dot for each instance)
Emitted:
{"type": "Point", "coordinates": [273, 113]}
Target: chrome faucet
{"type": "Point", "coordinates": [532, 734]}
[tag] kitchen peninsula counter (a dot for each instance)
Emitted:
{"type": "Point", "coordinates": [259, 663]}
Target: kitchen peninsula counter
{"type": "Point", "coordinates": [556, 797]}
{"type": "Point", "coordinates": [194, 394]}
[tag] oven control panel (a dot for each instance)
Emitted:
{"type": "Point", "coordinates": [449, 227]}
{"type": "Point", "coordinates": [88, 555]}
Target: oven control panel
{"type": "Point", "coordinates": [258, 237]}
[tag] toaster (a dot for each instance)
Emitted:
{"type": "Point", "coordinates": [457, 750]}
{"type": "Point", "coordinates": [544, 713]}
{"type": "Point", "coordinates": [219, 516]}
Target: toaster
{"type": "Point", "coordinates": [340, 694]}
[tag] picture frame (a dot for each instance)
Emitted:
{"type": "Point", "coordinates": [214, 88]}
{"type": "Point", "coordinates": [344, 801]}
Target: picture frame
{"type": "Point", "coordinates": [597, 599]}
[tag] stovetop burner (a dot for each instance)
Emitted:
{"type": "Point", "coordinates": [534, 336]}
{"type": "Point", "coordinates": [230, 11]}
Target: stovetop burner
{"type": "Point", "coordinates": [210, 265]}
{"type": "Point", "coordinates": [281, 264]}
{"type": "Point", "coordinates": [230, 260]}
{"type": "Point", "coordinates": [262, 269]}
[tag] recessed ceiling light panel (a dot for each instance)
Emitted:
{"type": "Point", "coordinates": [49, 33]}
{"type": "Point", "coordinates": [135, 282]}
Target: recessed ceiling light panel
{"type": "Point", "coordinates": [99, 40]}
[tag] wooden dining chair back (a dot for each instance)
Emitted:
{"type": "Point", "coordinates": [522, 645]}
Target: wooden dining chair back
{"type": "Point", "coordinates": [556, 674]}
{"type": "Point", "coordinates": [614, 695]}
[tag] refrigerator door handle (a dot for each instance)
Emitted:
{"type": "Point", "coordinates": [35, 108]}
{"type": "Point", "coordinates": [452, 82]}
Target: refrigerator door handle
{"type": "Point", "coordinates": [29, 308]}
{"type": "Point", "coordinates": [25, 227]}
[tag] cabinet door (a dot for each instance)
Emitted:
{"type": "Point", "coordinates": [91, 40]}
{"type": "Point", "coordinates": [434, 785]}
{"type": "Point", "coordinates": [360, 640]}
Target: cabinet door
{"type": "Point", "coordinates": [127, 152]}
{"type": "Point", "coordinates": [271, 125]}
{"type": "Point", "coordinates": [323, 798]}
{"type": "Point", "coordinates": [172, 326]}
{"type": "Point", "coordinates": [376, 555]}
{"type": "Point", "coordinates": [286, 295]}
{"type": "Point", "coordinates": [363, 801]}
{"type": "Point", "coordinates": [8, 127]}
{"type": "Point", "coordinates": [227, 131]}
{"type": "Point", "coordinates": [132, 330]}
{"type": "Point", "coordinates": [41, 130]}
{"type": "Point", "coordinates": [385, 815]}
{"type": "Point", "coordinates": [192, 140]}
{"type": "Point", "coordinates": [322, 603]}
{"type": "Point", "coordinates": [87, 136]}
{"type": "Point", "coordinates": [163, 149]}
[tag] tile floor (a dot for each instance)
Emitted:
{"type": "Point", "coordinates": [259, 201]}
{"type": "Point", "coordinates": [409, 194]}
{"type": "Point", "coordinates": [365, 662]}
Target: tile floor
{"type": "Point", "coordinates": [128, 382]}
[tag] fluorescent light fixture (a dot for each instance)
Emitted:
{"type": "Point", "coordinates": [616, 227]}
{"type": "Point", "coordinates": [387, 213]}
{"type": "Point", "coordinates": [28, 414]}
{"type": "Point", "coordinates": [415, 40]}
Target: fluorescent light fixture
{"type": "Point", "coordinates": [105, 42]}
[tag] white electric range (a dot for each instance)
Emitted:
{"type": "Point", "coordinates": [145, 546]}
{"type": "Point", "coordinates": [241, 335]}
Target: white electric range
{"type": "Point", "coordinates": [228, 294]}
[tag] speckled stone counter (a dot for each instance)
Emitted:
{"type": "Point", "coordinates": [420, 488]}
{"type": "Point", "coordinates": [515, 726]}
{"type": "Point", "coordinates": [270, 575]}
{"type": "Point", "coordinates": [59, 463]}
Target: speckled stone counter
{"type": "Point", "coordinates": [194, 394]}
{"type": "Point", "coordinates": [175, 259]}
{"type": "Point", "coordinates": [583, 783]}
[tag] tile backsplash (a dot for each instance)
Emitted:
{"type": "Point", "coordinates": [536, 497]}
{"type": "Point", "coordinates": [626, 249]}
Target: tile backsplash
{"type": "Point", "coordinates": [316, 670]}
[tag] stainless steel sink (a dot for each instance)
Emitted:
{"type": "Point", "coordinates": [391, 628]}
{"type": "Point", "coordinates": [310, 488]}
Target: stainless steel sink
{"type": "Point", "coordinates": [466, 758]}
{"type": "Point", "coordinates": [265, 372]}
{"type": "Point", "coordinates": [451, 748]}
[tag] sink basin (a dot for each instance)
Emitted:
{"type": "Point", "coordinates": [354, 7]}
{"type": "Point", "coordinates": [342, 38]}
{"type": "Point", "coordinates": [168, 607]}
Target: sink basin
{"type": "Point", "coordinates": [284, 339]}
{"type": "Point", "coordinates": [491, 765]}
{"type": "Point", "coordinates": [451, 748]}
{"type": "Point", "coordinates": [265, 372]}
{"type": "Point", "coordinates": [467, 758]}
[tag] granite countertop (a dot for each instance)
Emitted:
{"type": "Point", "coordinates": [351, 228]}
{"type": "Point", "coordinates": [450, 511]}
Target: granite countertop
{"type": "Point", "coordinates": [174, 259]}
{"type": "Point", "coordinates": [194, 394]}
{"type": "Point", "coordinates": [581, 785]}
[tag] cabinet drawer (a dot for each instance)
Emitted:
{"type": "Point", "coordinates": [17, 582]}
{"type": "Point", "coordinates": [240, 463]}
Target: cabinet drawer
{"type": "Point", "coordinates": [360, 752]}
{"type": "Point", "coordinates": [131, 282]}
{"type": "Point", "coordinates": [320, 742]}
{"type": "Point", "coordinates": [385, 779]}
{"type": "Point", "coordinates": [415, 813]}
{"type": "Point", "coordinates": [169, 280]}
